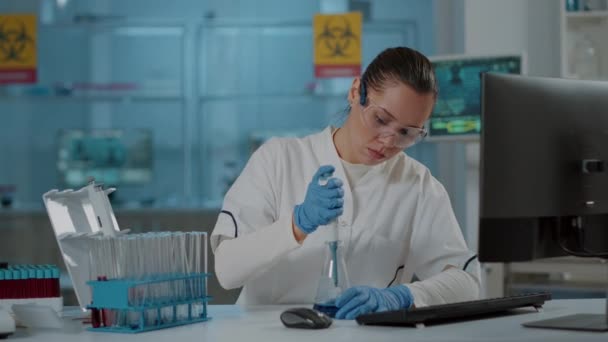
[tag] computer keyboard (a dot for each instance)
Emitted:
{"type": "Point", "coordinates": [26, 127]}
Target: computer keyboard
{"type": "Point", "coordinates": [446, 313]}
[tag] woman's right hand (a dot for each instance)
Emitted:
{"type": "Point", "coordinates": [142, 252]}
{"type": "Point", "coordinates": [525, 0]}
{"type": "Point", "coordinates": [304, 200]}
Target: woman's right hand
{"type": "Point", "coordinates": [323, 203]}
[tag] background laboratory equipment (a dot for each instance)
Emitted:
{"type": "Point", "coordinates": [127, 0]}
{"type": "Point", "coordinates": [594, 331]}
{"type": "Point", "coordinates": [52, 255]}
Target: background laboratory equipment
{"type": "Point", "coordinates": [457, 113]}
{"type": "Point", "coordinates": [113, 157]}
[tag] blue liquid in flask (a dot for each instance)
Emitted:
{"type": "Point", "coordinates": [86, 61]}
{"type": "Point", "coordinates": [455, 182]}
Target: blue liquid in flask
{"type": "Point", "coordinates": [327, 308]}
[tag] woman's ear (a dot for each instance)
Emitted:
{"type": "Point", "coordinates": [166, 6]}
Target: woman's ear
{"type": "Point", "coordinates": [353, 93]}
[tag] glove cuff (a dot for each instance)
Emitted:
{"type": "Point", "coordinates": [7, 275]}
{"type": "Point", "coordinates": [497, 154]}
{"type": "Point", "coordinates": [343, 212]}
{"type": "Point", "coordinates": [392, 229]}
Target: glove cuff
{"type": "Point", "coordinates": [302, 221]}
{"type": "Point", "coordinates": [402, 295]}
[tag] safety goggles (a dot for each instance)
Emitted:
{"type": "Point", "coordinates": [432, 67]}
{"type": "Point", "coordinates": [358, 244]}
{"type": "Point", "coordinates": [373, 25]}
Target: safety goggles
{"type": "Point", "coordinates": [384, 125]}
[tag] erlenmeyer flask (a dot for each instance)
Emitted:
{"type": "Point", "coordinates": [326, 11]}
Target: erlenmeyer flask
{"type": "Point", "coordinates": [586, 60]}
{"type": "Point", "coordinates": [334, 279]}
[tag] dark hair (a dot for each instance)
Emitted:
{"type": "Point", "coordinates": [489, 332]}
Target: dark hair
{"type": "Point", "coordinates": [399, 64]}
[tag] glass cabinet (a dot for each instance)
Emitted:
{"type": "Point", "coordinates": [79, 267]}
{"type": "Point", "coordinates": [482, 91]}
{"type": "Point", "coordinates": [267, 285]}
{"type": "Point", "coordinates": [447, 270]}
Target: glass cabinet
{"type": "Point", "coordinates": [166, 111]}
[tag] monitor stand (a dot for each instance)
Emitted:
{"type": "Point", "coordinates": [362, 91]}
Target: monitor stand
{"type": "Point", "coordinates": [580, 322]}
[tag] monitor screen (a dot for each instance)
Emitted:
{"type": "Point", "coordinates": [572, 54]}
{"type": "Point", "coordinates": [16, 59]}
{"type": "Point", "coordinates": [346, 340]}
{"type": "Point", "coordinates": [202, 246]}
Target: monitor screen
{"type": "Point", "coordinates": [544, 168]}
{"type": "Point", "coordinates": [112, 157]}
{"type": "Point", "coordinates": [457, 112]}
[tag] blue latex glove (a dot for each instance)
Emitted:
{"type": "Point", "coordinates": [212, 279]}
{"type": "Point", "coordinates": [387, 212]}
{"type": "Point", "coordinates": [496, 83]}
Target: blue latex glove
{"type": "Point", "coordinates": [360, 300]}
{"type": "Point", "coordinates": [322, 204]}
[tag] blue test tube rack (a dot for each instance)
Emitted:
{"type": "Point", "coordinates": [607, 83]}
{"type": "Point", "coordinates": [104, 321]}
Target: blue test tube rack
{"type": "Point", "coordinates": [113, 295]}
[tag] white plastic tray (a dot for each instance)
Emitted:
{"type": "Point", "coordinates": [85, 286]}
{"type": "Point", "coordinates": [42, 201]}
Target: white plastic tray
{"type": "Point", "coordinates": [75, 215]}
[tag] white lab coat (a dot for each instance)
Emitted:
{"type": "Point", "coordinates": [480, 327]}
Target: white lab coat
{"type": "Point", "coordinates": [397, 214]}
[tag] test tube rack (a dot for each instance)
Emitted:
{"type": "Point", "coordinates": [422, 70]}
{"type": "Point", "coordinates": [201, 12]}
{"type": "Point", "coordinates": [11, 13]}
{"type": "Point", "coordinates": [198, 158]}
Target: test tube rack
{"type": "Point", "coordinates": [123, 299]}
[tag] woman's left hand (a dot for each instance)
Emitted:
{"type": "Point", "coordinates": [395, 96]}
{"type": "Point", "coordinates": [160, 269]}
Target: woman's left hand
{"type": "Point", "coordinates": [360, 300]}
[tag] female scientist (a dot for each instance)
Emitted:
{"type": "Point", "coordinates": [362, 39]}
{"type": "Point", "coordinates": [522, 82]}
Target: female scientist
{"type": "Point", "coordinates": [395, 219]}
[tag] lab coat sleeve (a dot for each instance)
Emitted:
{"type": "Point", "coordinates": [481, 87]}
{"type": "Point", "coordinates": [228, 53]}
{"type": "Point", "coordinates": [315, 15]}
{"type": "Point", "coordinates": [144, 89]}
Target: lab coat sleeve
{"type": "Point", "coordinates": [249, 236]}
{"type": "Point", "coordinates": [438, 252]}
{"type": "Point", "coordinates": [449, 286]}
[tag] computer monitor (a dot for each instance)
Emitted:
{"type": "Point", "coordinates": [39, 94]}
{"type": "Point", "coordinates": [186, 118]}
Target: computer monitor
{"type": "Point", "coordinates": [544, 179]}
{"type": "Point", "coordinates": [113, 157]}
{"type": "Point", "coordinates": [457, 112]}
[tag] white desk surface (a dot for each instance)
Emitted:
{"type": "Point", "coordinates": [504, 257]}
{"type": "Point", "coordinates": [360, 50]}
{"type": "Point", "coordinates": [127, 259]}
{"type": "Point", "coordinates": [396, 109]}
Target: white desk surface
{"type": "Point", "coordinates": [261, 323]}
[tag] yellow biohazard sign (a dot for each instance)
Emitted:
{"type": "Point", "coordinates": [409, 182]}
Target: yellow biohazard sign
{"type": "Point", "coordinates": [337, 44]}
{"type": "Point", "coordinates": [18, 57]}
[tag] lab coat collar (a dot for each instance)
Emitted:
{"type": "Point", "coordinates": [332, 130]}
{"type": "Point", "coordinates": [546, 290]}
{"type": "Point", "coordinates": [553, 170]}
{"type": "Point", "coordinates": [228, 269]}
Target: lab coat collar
{"type": "Point", "coordinates": [328, 155]}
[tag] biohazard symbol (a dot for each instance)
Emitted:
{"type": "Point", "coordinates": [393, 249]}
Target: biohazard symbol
{"type": "Point", "coordinates": [337, 36]}
{"type": "Point", "coordinates": [14, 40]}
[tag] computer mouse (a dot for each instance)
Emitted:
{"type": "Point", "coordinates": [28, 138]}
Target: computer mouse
{"type": "Point", "coordinates": [305, 318]}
